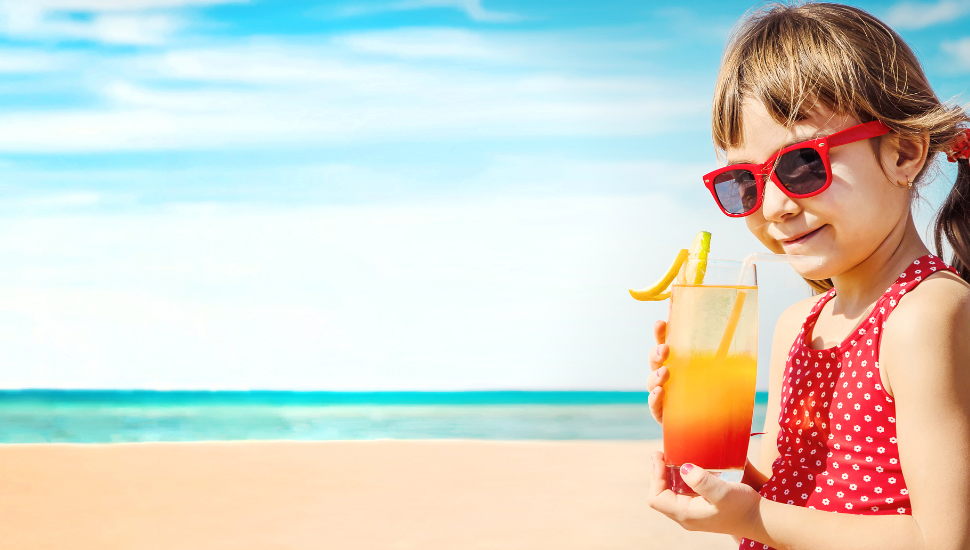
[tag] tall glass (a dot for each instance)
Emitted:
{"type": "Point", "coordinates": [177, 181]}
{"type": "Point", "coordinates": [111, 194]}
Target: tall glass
{"type": "Point", "coordinates": [709, 398]}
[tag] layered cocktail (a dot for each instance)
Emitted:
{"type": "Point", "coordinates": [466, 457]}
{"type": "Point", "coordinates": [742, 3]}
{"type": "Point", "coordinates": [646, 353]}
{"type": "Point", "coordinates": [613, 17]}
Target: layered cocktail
{"type": "Point", "coordinates": [712, 333]}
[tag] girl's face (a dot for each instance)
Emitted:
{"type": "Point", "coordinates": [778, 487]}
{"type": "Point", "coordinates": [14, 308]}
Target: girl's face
{"type": "Point", "coordinates": [842, 225]}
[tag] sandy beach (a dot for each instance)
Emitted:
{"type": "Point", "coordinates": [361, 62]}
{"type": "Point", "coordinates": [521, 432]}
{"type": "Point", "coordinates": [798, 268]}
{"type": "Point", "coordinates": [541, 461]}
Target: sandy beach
{"type": "Point", "coordinates": [337, 495]}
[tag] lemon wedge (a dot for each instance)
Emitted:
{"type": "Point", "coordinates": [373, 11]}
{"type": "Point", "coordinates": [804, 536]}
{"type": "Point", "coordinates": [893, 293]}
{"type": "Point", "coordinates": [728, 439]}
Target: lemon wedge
{"type": "Point", "coordinates": [689, 268]}
{"type": "Point", "coordinates": [697, 259]}
{"type": "Point", "coordinates": [656, 291]}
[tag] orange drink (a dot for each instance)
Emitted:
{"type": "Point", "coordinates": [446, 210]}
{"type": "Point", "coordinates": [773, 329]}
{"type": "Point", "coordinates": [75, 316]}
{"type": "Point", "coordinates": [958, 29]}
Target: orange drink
{"type": "Point", "coordinates": [709, 397]}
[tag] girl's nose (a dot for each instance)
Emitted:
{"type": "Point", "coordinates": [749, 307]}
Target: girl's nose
{"type": "Point", "coordinates": [776, 206]}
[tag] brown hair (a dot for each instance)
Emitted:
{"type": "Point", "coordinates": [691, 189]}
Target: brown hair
{"type": "Point", "coordinates": [795, 57]}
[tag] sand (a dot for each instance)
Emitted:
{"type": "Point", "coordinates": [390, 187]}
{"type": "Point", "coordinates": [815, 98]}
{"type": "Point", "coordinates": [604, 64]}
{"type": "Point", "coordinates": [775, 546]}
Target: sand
{"type": "Point", "coordinates": [375, 495]}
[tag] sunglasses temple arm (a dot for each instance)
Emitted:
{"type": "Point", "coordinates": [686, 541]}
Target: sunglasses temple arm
{"type": "Point", "coordinates": [858, 133]}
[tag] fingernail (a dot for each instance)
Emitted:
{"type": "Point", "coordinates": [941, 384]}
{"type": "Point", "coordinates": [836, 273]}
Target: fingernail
{"type": "Point", "coordinates": [656, 390]}
{"type": "Point", "coordinates": [686, 468]}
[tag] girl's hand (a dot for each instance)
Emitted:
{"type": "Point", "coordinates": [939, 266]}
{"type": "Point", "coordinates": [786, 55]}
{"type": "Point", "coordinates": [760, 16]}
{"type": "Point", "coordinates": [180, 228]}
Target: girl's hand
{"type": "Point", "coordinates": [658, 375]}
{"type": "Point", "coordinates": [722, 507]}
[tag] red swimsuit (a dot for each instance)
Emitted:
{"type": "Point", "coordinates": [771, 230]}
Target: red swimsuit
{"type": "Point", "coordinates": [838, 425]}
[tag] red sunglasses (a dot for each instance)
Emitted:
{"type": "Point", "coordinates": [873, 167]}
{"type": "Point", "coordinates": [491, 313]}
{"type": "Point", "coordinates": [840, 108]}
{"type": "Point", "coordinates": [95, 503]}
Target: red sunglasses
{"type": "Point", "coordinates": [800, 171]}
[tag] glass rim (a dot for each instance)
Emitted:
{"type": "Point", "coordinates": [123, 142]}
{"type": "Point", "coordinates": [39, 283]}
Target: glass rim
{"type": "Point", "coordinates": [722, 272]}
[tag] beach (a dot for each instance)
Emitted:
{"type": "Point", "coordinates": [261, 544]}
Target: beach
{"type": "Point", "coordinates": [429, 495]}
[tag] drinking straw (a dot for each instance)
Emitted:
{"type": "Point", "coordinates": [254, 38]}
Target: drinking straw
{"type": "Point", "coordinates": [765, 257]}
{"type": "Point", "coordinates": [732, 326]}
{"type": "Point", "coordinates": [735, 316]}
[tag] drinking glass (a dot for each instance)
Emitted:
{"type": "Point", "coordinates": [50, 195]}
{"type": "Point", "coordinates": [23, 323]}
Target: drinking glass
{"type": "Point", "coordinates": [712, 333]}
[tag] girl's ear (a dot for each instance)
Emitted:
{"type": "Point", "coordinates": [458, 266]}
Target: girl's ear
{"type": "Point", "coordinates": [903, 158]}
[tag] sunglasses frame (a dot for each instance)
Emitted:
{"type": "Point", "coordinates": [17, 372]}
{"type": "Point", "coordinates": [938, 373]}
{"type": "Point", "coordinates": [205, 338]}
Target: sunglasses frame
{"type": "Point", "coordinates": [822, 145]}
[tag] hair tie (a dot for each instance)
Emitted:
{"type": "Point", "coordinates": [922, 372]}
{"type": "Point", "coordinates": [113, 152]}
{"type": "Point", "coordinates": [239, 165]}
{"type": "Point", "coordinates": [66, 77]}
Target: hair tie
{"type": "Point", "coordinates": [960, 149]}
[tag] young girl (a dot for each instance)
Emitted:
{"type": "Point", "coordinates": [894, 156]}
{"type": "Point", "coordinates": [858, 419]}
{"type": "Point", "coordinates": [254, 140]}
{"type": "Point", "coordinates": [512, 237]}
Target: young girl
{"type": "Point", "coordinates": [829, 127]}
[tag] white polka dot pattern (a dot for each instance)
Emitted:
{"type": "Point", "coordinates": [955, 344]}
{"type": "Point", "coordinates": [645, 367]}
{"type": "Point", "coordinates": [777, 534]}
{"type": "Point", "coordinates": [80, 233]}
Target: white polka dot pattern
{"type": "Point", "coordinates": [838, 428]}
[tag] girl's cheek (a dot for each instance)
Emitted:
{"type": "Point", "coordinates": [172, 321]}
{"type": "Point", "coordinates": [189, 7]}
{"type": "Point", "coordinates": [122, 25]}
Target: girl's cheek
{"type": "Point", "coordinates": [754, 223]}
{"type": "Point", "coordinates": [758, 227]}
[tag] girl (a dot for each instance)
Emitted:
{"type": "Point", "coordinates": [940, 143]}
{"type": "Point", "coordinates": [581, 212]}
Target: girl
{"type": "Point", "coordinates": [829, 127]}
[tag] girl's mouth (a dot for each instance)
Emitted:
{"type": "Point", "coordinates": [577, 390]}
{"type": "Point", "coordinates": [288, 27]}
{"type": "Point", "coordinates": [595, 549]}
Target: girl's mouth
{"type": "Point", "coordinates": [801, 239]}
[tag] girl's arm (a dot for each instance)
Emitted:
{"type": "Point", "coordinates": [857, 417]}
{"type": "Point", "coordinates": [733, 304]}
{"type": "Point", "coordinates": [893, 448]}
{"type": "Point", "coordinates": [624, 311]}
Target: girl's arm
{"type": "Point", "coordinates": [926, 354]}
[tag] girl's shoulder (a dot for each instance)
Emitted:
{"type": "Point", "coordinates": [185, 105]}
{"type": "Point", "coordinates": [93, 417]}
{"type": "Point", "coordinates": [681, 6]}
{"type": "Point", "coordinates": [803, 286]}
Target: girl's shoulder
{"type": "Point", "coordinates": [941, 300]}
{"type": "Point", "coordinates": [791, 320]}
{"type": "Point", "coordinates": [924, 346]}
{"type": "Point", "coordinates": [931, 320]}
{"type": "Point", "coordinates": [795, 315]}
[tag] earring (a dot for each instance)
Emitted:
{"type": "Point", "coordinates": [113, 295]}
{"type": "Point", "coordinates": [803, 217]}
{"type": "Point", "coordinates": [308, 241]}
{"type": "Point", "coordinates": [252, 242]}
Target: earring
{"type": "Point", "coordinates": [908, 184]}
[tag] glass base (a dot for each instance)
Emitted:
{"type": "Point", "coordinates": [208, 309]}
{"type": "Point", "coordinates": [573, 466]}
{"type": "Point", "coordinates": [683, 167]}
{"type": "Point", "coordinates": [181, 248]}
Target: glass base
{"type": "Point", "coordinates": [677, 484]}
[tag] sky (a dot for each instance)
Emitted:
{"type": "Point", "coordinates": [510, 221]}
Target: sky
{"type": "Point", "coordinates": [365, 195]}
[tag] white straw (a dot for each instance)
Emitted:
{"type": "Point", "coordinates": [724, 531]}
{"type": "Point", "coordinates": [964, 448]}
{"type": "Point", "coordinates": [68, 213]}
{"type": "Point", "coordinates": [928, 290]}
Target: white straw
{"type": "Point", "coordinates": [763, 257]}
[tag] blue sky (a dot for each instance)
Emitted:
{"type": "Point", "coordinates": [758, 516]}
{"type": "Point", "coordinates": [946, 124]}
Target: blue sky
{"type": "Point", "coordinates": [402, 194]}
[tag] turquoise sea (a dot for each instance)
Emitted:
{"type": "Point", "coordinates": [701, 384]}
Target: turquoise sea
{"type": "Point", "coordinates": [108, 416]}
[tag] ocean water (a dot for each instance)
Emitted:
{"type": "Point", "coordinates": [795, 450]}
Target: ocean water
{"type": "Point", "coordinates": [106, 416]}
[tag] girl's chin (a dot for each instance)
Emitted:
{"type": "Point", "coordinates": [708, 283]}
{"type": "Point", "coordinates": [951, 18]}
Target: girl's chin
{"type": "Point", "coordinates": [815, 267]}
{"type": "Point", "coordinates": [813, 274]}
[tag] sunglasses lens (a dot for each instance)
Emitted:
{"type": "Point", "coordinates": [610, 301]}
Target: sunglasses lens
{"type": "Point", "coordinates": [737, 191]}
{"type": "Point", "coordinates": [801, 171]}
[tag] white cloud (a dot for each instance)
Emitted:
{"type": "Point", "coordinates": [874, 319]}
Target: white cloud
{"type": "Point", "coordinates": [564, 175]}
{"type": "Point", "coordinates": [135, 22]}
{"type": "Point", "coordinates": [498, 293]}
{"type": "Point", "coordinates": [26, 60]}
{"type": "Point", "coordinates": [109, 28]}
{"type": "Point", "coordinates": [135, 29]}
{"type": "Point", "coordinates": [281, 94]}
{"type": "Point", "coordinates": [541, 49]}
{"type": "Point", "coordinates": [342, 182]}
{"type": "Point", "coordinates": [303, 124]}
{"type": "Point", "coordinates": [267, 63]}
{"type": "Point", "coordinates": [114, 5]}
{"type": "Point", "coordinates": [59, 200]}
{"type": "Point", "coordinates": [918, 15]}
{"type": "Point", "coordinates": [427, 43]}
{"type": "Point", "coordinates": [959, 50]}
{"type": "Point", "coordinates": [472, 8]}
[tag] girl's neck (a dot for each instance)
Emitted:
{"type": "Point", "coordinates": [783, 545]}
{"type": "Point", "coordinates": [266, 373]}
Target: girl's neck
{"type": "Point", "coordinates": [860, 287]}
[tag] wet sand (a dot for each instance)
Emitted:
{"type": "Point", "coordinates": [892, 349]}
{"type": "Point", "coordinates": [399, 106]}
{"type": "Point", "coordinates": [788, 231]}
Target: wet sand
{"type": "Point", "coordinates": [374, 495]}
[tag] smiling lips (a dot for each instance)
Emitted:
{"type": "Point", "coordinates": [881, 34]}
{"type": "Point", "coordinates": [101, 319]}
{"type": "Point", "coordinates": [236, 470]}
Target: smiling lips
{"type": "Point", "coordinates": [801, 238]}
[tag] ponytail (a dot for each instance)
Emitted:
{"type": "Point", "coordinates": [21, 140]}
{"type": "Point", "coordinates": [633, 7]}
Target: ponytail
{"type": "Point", "coordinates": [953, 222]}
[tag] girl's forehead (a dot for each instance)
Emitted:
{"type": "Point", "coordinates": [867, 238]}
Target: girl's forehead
{"type": "Point", "coordinates": [763, 136]}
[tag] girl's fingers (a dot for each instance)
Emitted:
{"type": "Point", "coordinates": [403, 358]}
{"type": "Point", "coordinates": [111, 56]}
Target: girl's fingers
{"type": "Point", "coordinates": [658, 354]}
{"type": "Point", "coordinates": [658, 376]}
{"type": "Point", "coordinates": [660, 331]}
{"type": "Point", "coordinates": [658, 372]}
{"type": "Point", "coordinates": [656, 400]}
{"type": "Point", "coordinates": [658, 478]}
{"type": "Point", "coordinates": [703, 483]}
{"type": "Point", "coordinates": [661, 498]}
